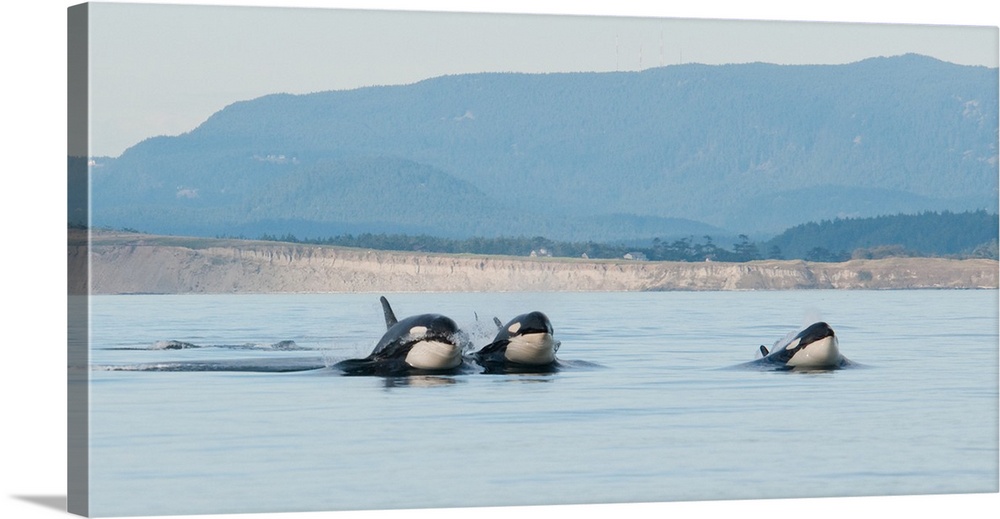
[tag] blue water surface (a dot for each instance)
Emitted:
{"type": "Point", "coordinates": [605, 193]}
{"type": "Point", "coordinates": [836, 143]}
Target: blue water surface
{"type": "Point", "coordinates": [648, 408]}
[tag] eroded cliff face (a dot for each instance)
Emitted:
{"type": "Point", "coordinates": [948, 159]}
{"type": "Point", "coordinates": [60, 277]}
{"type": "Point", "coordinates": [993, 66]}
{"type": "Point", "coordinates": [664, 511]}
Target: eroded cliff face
{"type": "Point", "coordinates": [157, 266]}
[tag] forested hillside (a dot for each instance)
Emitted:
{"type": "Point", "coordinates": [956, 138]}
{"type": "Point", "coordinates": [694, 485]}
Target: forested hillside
{"type": "Point", "coordinates": [927, 234]}
{"type": "Point", "coordinates": [669, 152]}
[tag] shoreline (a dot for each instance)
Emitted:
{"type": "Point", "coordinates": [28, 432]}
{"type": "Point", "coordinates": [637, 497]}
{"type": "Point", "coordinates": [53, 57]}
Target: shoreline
{"type": "Point", "coordinates": [123, 263]}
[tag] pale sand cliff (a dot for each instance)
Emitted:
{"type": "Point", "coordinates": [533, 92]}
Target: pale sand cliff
{"type": "Point", "coordinates": [129, 263]}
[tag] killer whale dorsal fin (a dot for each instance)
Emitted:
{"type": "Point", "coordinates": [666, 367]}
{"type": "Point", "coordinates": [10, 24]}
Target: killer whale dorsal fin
{"type": "Point", "coordinates": [763, 350]}
{"type": "Point", "coordinates": [390, 317]}
{"type": "Point", "coordinates": [498, 322]}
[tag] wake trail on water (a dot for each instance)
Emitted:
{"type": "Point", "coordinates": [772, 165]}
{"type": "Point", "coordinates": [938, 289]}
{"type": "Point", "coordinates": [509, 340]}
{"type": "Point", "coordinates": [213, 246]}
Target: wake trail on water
{"type": "Point", "coordinates": [285, 345]}
{"type": "Point", "coordinates": [322, 358]}
{"type": "Point", "coordinates": [284, 365]}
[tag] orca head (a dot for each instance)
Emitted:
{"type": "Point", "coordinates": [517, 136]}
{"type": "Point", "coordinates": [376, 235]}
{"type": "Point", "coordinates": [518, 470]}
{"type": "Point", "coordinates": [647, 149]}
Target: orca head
{"type": "Point", "coordinates": [434, 341]}
{"type": "Point", "coordinates": [814, 347]}
{"type": "Point", "coordinates": [425, 341]}
{"type": "Point", "coordinates": [529, 339]}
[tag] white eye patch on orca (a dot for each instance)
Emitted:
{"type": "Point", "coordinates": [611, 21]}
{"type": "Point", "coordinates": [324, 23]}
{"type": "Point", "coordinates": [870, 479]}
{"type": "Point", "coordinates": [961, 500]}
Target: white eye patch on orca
{"type": "Point", "coordinates": [514, 327]}
{"type": "Point", "coordinates": [418, 331]}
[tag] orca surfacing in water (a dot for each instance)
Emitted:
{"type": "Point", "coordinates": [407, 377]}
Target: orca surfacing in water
{"type": "Point", "coordinates": [523, 345]}
{"type": "Point", "coordinates": [814, 348]}
{"type": "Point", "coordinates": [420, 344]}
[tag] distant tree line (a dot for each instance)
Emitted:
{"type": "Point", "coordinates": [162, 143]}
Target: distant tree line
{"type": "Point", "coordinates": [684, 249]}
{"type": "Point", "coordinates": [500, 246]}
{"type": "Point", "coordinates": [964, 235]}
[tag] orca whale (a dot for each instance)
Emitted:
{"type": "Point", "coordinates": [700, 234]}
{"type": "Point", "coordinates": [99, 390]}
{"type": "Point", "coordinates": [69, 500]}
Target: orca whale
{"type": "Point", "coordinates": [813, 348]}
{"type": "Point", "coordinates": [420, 344]}
{"type": "Point", "coordinates": [524, 345]}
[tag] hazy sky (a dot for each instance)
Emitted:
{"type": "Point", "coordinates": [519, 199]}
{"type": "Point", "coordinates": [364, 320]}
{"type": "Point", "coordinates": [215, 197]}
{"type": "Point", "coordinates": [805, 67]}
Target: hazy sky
{"type": "Point", "coordinates": [163, 69]}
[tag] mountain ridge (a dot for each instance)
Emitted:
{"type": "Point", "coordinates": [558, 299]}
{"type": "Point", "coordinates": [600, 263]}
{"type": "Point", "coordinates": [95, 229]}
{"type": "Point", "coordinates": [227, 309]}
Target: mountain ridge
{"type": "Point", "coordinates": [578, 155]}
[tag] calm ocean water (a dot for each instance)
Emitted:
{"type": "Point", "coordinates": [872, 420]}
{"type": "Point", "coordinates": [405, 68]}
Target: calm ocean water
{"type": "Point", "coordinates": [648, 408]}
